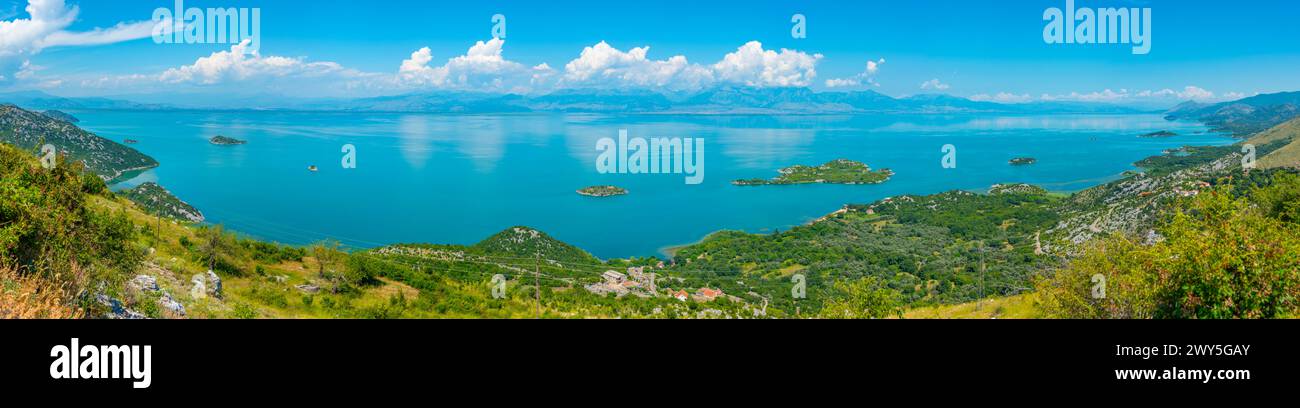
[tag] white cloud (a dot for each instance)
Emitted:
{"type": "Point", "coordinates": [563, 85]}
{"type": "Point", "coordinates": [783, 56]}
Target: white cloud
{"type": "Point", "coordinates": [1195, 93]}
{"type": "Point", "coordinates": [1002, 97]}
{"type": "Point", "coordinates": [867, 76]}
{"type": "Point", "coordinates": [602, 65]}
{"type": "Point", "coordinates": [1232, 96]}
{"type": "Point", "coordinates": [1105, 95]}
{"type": "Point", "coordinates": [753, 66]}
{"type": "Point", "coordinates": [935, 85]}
{"type": "Point", "coordinates": [482, 68]}
{"type": "Point", "coordinates": [1189, 92]}
{"type": "Point", "coordinates": [46, 26]}
{"type": "Point", "coordinates": [241, 64]}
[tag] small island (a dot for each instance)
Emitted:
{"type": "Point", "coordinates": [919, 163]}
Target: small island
{"type": "Point", "coordinates": [225, 141]}
{"type": "Point", "coordinates": [1023, 161]}
{"type": "Point", "coordinates": [602, 191]}
{"type": "Point", "coordinates": [839, 171]}
{"type": "Point", "coordinates": [1162, 133]}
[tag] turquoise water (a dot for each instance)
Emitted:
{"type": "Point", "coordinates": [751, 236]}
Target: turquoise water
{"type": "Point", "coordinates": [461, 178]}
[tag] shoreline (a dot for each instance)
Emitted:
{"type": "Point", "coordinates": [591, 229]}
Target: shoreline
{"type": "Point", "coordinates": [670, 250]}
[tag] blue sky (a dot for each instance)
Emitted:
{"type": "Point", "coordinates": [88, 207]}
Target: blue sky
{"type": "Point", "coordinates": [983, 49]}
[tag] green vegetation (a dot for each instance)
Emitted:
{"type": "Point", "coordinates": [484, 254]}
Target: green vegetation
{"type": "Point", "coordinates": [946, 248]}
{"type": "Point", "coordinates": [1221, 256]}
{"type": "Point", "coordinates": [48, 228]}
{"type": "Point", "coordinates": [866, 298]}
{"type": "Point", "coordinates": [1010, 307]}
{"type": "Point", "coordinates": [30, 130]}
{"type": "Point", "coordinates": [1287, 135]}
{"type": "Point", "coordinates": [1193, 237]}
{"type": "Point", "coordinates": [602, 191]}
{"type": "Point", "coordinates": [835, 172]}
{"type": "Point", "coordinates": [1023, 161]}
{"type": "Point", "coordinates": [225, 141]}
{"type": "Point", "coordinates": [156, 200]}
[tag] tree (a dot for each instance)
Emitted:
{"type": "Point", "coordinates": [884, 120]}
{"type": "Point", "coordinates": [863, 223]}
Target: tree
{"type": "Point", "coordinates": [216, 247]}
{"type": "Point", "coordinates": [866, 298]}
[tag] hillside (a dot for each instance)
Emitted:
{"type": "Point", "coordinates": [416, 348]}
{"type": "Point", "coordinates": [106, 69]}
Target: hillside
{"type": "Point", "coordinates": [156, 200]}
{"type": "Point", "coordinates": [524, 242]}
{"type": "Point", "coordinates": [1286, 156]}
{"type": "Point", "coordinates": [1243, 117]}
{"type": "Point", "coordinates": [106, 158]}
{"type": "Point", "coordinates": [934, 255]}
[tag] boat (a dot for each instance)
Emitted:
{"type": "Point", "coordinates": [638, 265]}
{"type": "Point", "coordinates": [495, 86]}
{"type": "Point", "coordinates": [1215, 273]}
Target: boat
{"type": "Point", "coordinates": [312, 169]}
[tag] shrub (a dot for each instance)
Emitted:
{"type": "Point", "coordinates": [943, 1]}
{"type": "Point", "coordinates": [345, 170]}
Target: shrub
{"type": "Point", "coordinates": [47, 229]}
{"type": "Point", "coordinates": [1222, 257]}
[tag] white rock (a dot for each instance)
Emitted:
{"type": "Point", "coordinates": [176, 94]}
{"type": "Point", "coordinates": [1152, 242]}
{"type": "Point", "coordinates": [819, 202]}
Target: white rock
{"type": "Point", "coordinates": [144, 283]}
{"type": "Point", "coordinates": [199, 291]}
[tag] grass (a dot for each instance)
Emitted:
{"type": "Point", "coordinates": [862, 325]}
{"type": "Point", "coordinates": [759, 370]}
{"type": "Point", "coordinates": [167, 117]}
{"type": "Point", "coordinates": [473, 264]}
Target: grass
{"type": "Point", "coordinates": [1012, 307]}
{"type": "Point", "coordinates": [272, 294]}
{"type": "Point", "coordinates": [1286, 156]}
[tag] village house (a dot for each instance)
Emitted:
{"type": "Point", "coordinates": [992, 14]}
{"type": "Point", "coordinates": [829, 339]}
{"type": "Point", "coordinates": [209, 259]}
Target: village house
{"type": "Point", "coordinates": [707, 294]}
{"type": "Point", "coordinates": [613, 278]}
{"type": "Point", "coordinates": [679, 294]}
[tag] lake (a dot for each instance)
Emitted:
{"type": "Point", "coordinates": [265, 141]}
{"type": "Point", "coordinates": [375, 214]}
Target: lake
{"type": "Point", "coordinates": [457, 179]}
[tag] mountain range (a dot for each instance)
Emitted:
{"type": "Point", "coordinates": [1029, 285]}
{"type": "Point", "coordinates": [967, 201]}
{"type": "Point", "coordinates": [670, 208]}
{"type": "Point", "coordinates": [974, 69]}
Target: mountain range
{"type": "Point", "coordinates": [719, 100]}
{"type": "Point", "coordinates": [1241, 117]}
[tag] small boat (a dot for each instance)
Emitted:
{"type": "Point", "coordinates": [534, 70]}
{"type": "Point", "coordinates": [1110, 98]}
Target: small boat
{"type": "Point", "coordinates": [312, 169]}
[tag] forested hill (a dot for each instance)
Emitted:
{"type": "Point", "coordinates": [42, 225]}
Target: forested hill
{"type": "Point", "coordinates": [30, 130]}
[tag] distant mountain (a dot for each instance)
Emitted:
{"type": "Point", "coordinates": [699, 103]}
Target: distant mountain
{"type": "Point", "coordinates": [595, 100]}
{"type": "Point", "coordinates": [30, 130]}
{"type": "Point", "coordinates": [1242, 117]}
{"type": "Point", "coordinates": [437, 102]}
{"type": "Point", "coordinates": [36, 100]}
{"type": "Point", "coordinates": [727, 99]}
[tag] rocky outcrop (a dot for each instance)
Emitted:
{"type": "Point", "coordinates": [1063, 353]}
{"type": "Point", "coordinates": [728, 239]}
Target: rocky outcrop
{"type": "Point", "coordinates": [116, 309]}
{"type": "Point", "coordinates": [206, 285]}
{"type": "Point", "coordinates": [146, 286]}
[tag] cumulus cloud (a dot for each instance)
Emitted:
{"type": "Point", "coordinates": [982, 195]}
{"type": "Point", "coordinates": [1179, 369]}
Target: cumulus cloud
{"type": "Point", "coordinates": [46, 26]}
{"type": "Point", "coordinates": [241, 63]}
{"type": "Point", "coordinates": [866, 76]}
{"type": "Point", "coordinates": [482, 68]}
{"type": "Point", "coordinates": [602, 65]}
{"type": "Point", "coordinates": [754, 66]}
{"type": "Point", "coordinates": [935, 85]}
